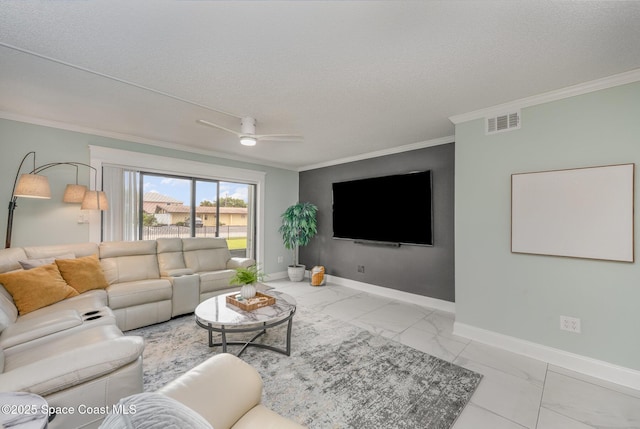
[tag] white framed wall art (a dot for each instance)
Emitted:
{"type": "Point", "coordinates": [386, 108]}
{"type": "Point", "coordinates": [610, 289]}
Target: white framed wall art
{"type": "Point", "coordinates": [582, 212]}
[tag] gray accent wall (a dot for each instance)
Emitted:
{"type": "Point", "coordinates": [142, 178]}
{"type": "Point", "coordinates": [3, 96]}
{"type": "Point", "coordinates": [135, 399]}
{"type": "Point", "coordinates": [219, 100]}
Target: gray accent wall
{"type": "Point", "coordinates": [422, 270]}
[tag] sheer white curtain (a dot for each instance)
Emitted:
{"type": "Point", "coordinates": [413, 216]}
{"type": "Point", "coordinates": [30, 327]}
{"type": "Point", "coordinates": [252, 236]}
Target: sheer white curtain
{"type": "Point", "coordinates": [251, 221]}
{"type": "Point", "coordinates": [121, 220]}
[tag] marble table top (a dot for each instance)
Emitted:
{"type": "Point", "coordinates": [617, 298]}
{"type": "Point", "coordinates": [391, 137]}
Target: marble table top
{"type": "Point", "coordinates": [217, 311]}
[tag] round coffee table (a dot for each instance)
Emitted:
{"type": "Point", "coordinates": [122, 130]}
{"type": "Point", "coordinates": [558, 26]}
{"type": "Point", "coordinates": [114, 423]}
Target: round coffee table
{"type": "Point", "coordinates": [216, 315]}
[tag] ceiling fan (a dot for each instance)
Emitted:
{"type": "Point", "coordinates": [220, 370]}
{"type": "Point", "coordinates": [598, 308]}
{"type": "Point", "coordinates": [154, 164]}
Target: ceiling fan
{"type": "Point", "coordinates": [247, 133]}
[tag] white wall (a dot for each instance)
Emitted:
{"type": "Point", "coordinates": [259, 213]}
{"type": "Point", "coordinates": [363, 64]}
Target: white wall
{"type": "Point", "coordinates": [522, 296]}
{"type": "Point", "coordinates": [38, 222]}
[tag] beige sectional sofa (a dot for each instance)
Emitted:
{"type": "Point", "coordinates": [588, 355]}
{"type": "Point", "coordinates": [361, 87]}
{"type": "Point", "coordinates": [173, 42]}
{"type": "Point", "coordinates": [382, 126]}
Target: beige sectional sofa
{"type": "Point", "coordinates": [73, 351]}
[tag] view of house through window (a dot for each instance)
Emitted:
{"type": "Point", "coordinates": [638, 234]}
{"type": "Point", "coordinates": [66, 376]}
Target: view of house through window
{"type": "Point", "coordinates": [174, 206]}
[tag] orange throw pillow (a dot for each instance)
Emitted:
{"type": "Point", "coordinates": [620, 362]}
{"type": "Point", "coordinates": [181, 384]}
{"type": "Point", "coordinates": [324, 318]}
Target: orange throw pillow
{"type": "Point", "coordinates": [83, 274]}
{"type": "Point", "coordinates": [36, 288]}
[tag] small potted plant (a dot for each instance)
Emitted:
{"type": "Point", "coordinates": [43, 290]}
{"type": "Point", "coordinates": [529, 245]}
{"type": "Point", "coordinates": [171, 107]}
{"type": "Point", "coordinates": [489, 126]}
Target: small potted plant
{"type": "Point", "coordinates": [247, 278]}
{"type": "Point", "coordinates": [299, 226]}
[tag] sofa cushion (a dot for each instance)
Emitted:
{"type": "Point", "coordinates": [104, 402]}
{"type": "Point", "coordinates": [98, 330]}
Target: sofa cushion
{"type": "Point", "coordinates": [153, 411]}
{"type": "Point", "coordinates": [92, 300]}
{"type": "Point", "coordinates": [205, 254]}
{"type": "Point", "coordinates": [170, 258]}
{"type": "Point", "coordinates": [36, 288]}
{"type": "Point", "coordinates": [128, 261]}
{"type": "Point", "coordinates": [82, 274]}
{"type": "Point", "coordinates": [114, 249]}
{"type": "Point", "coordinates": [129, 294]}
{"type": "Point", "coordinates": [169, 245]}
{"type": "Point", "coordinates": [33, 328]}
{"type": "Point", "coordinates": [9, 259]}
{"type": "Point", "coordinates": [8, 310]}
{"type": "Point", "coordinates": [28, 264]}
{"type": "Point", "coordinates": [78, 250]}
{"type": "Point", "coordinates": [215, 280]}
{"type": "Point", "coordinates": [5, 320]}
{"type": "Point", "coordinates": [237, 262]}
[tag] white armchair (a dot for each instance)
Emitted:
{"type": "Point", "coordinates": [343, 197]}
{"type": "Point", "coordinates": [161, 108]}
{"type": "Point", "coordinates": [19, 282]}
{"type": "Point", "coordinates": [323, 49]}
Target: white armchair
{"type": "Point", "coordinates": [223, 392]}
{"type": "Point", "coordinates": [227, 392]}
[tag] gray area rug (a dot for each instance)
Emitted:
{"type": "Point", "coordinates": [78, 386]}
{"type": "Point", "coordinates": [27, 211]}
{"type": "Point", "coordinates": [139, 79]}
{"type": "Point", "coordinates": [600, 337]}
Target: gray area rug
{"type": "Point", "coordinates": [338, 375]}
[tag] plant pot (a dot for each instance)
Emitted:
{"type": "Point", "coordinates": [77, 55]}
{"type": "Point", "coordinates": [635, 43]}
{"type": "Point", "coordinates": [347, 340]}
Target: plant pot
{"type": "Point", "coordinates": [296, 273]}
{"type": "Point", "coordinates": [248, 291]}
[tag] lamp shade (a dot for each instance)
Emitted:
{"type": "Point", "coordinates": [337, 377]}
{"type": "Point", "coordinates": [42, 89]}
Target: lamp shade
{"type": "Point", "coordinates": [74, 193]}
{"type": "Point", "coordinates": [32, 186]}
{"type": "Point", "coordinates": [95, 200]}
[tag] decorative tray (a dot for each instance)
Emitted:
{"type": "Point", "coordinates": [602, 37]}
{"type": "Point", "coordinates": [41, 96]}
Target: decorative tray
{"type": "Point", "coordinates": [258, 301]}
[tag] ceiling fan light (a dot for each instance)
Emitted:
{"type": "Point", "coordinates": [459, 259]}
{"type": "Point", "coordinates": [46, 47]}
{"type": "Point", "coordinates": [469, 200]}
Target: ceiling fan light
{"type": "Point", "coordinates": [248, 141]}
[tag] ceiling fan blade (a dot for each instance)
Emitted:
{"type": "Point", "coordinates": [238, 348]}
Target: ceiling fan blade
{"type": "Point", "coordinates": [211, 124]}
{"type": "Point", "coordinates": [279, 137]}
{"type": "Point", "coordinates": [248, 125]}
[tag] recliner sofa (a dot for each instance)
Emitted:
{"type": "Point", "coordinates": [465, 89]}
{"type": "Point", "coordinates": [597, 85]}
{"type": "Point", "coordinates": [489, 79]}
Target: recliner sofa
{"type": "Point", "coordinates": [73, 352]}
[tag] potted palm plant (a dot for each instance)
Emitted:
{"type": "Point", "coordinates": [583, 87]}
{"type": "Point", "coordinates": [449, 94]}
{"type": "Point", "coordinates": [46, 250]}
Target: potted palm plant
{"type": "Point", "coordinates": [299, 226]}
{"type": "Point", "coordinates": [247, 278]}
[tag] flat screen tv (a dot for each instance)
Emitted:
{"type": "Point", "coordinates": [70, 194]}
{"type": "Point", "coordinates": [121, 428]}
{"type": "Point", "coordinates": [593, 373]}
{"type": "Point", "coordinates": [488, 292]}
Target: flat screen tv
{"type": "Point", "coordinates": [390, 209]}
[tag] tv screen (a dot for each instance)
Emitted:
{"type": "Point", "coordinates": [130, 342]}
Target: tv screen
{"type": "Point", "coordinates": [389, 209]}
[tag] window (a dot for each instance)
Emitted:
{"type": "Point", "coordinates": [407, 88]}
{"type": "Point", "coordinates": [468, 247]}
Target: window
{"type": "Point", "coordinates": [149, 202]}
{"type": "Point", "coordinates": [219, 209]}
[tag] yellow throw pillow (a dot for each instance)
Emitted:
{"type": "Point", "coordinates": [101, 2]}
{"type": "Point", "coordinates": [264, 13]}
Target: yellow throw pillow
{"type": "Point", "coordinates": [36, 288]}
{"type": "Point", "coordinates": [83, 274]}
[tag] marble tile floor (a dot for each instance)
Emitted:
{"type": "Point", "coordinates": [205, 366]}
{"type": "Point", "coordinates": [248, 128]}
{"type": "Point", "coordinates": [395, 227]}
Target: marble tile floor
{"type": "Point", "coordinates": [516, 392]}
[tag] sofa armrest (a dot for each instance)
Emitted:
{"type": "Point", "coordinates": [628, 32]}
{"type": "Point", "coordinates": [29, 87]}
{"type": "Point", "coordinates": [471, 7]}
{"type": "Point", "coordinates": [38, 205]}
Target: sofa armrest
{"type": "Point", "coordinates": [234, 263]}
{"type": "Point", "coordinates": [222, 389]}
{"type": "Point", "coordinates": [72, 361]}
{"type": "Point", "coordinates": [29, 329]}
{"type": "Point", "coordinates": [178, 272]}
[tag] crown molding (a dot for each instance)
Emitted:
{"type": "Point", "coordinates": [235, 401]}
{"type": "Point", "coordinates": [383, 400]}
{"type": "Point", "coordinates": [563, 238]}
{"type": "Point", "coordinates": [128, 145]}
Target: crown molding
{"type": "Point", "coordinates": [384, 152]}
{"type": "Point", "coordinates": [570, 91]}
{"type": "Point", "coordinates": [135, 139]}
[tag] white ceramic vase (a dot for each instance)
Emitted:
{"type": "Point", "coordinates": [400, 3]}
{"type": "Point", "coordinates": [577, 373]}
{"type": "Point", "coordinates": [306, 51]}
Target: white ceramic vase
{"type": "Point", "coordinates": [248, 291]}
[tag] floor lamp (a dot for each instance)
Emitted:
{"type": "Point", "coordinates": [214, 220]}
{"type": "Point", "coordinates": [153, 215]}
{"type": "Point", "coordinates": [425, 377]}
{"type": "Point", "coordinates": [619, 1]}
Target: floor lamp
{"type": "Point", "coordinates": [34, 185]}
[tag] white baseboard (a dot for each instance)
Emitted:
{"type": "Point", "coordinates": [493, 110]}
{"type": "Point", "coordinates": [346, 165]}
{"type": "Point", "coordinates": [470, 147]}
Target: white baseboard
{"type": "Point", "coordinates": [277, 276]}
{"type": "Point", "coordinates": [399, 295]}
{"type": "Point", "coordinates": [574, 362]}
{"type": "Point", "coordinates": [592, 367]}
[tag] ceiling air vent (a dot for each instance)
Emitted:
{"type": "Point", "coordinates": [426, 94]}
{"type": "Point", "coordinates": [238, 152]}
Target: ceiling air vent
{"type": "Point", "coordinates": [506, 122]}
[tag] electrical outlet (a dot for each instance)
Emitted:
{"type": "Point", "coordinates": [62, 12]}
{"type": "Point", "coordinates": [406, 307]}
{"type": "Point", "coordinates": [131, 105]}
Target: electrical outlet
{"type": "Point", "coordinates": [83, 218]}
{"type": "Point", "coordinates": [280, 259]}
{"type": "Point", "coordinates": [361, 269]}
{"type": "Point", "coordinates": [571, 324]}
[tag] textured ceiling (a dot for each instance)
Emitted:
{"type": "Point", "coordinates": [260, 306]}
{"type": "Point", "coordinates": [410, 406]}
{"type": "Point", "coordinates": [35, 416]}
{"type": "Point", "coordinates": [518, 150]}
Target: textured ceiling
{"type": "Point", "coordinates": [352, 77]}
